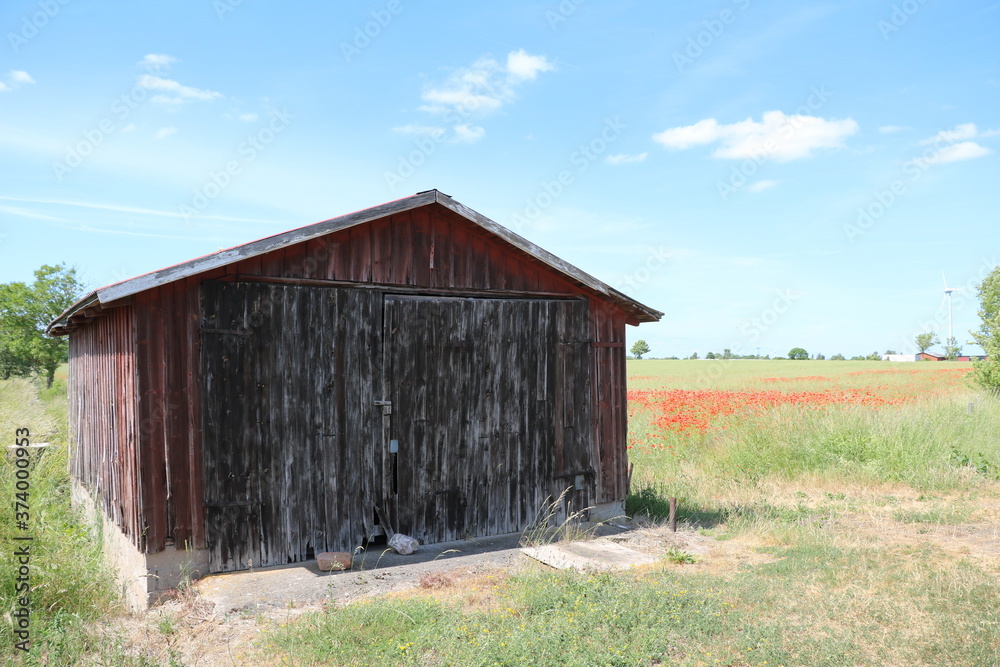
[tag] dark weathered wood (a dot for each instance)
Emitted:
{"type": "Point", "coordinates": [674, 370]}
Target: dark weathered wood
{"type": "Point", "coordinates": [477, 453]}
{"type": "Point", "coordinates": [289, 427]}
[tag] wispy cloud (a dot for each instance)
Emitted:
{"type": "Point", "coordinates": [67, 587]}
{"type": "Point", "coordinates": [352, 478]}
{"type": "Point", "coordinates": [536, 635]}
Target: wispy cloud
{"type": "Point", "coordinates": [761, 185]}
{"type": "Point", "coordinates": [420, 130]}
{"type": "Point", "coordinates": [957, 133]}
{"type": "Point", "coordinates": [248, 117]}
{"type": "Point", "coordinates": [481, 89]}
{"type": "Point", "coordinates": [165, 132]}
{"type": "Point", "coordinates": [955, 145]}
{"type": "Point", "coordinates": [782, 137]}
{"type": "Point", "coordinates": [623, 158]}
{"type": "Point", "coordinates": [469, 133]}
{"type": "Point", "coordinates": [966, 150]}
{"type": "Point", "coordinates": [116, 208]}
{"type": "Point", "coordinates": [14, 79]}
{"type": "Point", "coordinates": [174, 93]}
{"type": "Point", "coordinates": [157, 61]}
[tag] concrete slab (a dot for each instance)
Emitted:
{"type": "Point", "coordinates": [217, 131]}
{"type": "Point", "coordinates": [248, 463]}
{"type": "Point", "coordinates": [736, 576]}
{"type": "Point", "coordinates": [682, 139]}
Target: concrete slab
{"type": "Point", "coordinates": [600, 555]}
{"type": "Point", "coordinates": [375, 572]}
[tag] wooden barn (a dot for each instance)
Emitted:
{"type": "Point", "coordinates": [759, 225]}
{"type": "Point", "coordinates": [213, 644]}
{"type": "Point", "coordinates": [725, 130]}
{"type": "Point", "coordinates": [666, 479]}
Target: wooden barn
{"type": "Point", "coordinates": [414, 364]}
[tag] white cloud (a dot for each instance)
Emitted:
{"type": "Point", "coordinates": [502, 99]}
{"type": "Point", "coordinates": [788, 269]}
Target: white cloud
{"type": "Point", "coordinates": [157, 60]}
{"type": "Point", "coordinates": [761, 185]}
{"type": "Point", "coordinates": [248, 117]}
{"type": "Point", "coordinates": [623, 158]}
{"type": "Point", "coordinates": [19, 76]}
{"type": "Point", "coordinates": [957, 133]}
{"type": "Point", "coordinates": [481, 89]}
{"type": "Point", "coordinates": [420, 130]}
{"type": "Point", "coordinates": [966, 150]}
{"type": "Point", "coordinates": [469, 133]}
{"type": "Point", "coordinates": [165, 132]}
{"type": "Point", "coordinates": [178, 93]}
{"type": "Point", "coordinates": [889, 129]}
{"type": "Point", "coordinates": [523, 66]}
{"type": "Point", "coordinates": [4, 88]}
{"type": "Point", "coordinates": [777, 135]}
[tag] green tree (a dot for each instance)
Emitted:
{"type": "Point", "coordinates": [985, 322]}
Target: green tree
{"type": "Point", "coordinates": [797, 353]}
{"type": "Point", "coordinates": [986, 372]}
{"type": "Point", "coordinates": [640, 348]}
{"type": "Point", "coordinates": [693, 356]}
{"type": "Point", "coordinates": [926, 341]}
{"type": "Point", "coordinates": [710, 355]}
{"type": "Point", "coordinates": [837, 357]}
{"type": "Point", "coordinates": [25, 311]}
{"type": "Point", "coordinates": [874, 356]}
{"type": "Point", "coordinates": [952, 349]}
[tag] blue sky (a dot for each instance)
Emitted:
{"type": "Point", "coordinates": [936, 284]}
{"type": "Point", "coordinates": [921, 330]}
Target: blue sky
{"type": "Point", "coordinates": [769, 175]}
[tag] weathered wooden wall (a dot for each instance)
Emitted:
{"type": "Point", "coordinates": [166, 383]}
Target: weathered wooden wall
{"type": "Point", "coordinates": [429, 248]}
{"type": "Point", "coordinates": [103, 418]}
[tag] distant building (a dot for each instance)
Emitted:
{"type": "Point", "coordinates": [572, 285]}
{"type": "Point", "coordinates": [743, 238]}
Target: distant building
{"type": "Point", "coordinates": [899, 357]}
{"type": "Point", "coordinates": [971, 357]}
{"type": "Point", "coordinates": [928, 356]}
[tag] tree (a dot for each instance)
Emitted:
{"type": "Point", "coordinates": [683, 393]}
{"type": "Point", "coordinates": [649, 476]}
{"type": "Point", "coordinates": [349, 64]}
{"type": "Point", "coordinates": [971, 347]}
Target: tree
{"type": "Point", "coordinates": [640, 348]}
{"type": "Point", "coordinates": [986, 372]}
{"type": "Point", "coordinates": [797, 353]}
{"type": "Point", "coordinates": [837, 357]}
{"type": "Point", "coordinates": [727, 353]}
{"type": "Point", "coordinates": [891, 352]}
{"type": "Point", "coordinates": [874, 356]}
{"type": "Point", "coordinates": [926, 341]}
{"type": "Point", "coordinates": [820, 357]}
{"type": "Point", "coordinates": [694, 356]}
{"type": "Point", "coordinates": [25, 311]}
{"type": "Point", "coordinates": [952, 349]}
{"type": "Point", "coordinates": [710, 355]}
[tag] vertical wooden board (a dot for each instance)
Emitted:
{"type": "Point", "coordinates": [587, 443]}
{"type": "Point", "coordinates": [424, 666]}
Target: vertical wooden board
{"type": "Point", "coordinates": [361, 254]}
{"type": "Point", "coordinates": [442, 260]}
{"type": "Point", "coordinates": [382, 251]}
{"type": "Point", "coordinates": [462, 257]}
{"type": "Point", "coordinates": [179, 526]}
{"type": "Point", "coordinates": [154, 472]}
{"type": "Point", "coordinates": [420, 231]}
{"type": "Point", "coordinates": [193, 398]}
{"type": "Point", "coordinates": [273, 263]}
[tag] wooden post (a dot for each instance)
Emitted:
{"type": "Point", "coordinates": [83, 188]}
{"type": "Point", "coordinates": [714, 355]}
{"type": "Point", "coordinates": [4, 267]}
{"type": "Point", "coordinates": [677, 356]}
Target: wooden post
{"type": "Point", "coordinates": [673, 514]}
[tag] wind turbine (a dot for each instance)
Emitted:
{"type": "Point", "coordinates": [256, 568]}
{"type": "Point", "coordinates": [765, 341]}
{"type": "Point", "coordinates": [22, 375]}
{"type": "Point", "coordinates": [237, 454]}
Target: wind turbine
{"type": "Point", "coordinates": [947, 295]}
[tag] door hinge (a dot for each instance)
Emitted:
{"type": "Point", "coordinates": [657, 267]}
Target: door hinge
{"type": "Point", "coordinates": [386, 406]}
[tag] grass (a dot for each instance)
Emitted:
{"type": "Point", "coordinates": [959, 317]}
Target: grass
{"type": "Point", "coordinates": [71, 587]}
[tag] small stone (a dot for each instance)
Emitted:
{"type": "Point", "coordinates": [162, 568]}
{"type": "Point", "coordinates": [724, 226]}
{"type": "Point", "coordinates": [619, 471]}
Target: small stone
{"type": "Point", "coordinates": [403, 544]}
{"type": "Point", "coordinates": [334, 560]}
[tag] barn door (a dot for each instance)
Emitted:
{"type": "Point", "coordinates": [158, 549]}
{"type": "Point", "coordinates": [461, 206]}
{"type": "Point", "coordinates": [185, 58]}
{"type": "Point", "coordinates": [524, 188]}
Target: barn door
{"type": "Point", "coordinates": [288, 421]}
{"type": "Point", "coordinates": [490, 412]}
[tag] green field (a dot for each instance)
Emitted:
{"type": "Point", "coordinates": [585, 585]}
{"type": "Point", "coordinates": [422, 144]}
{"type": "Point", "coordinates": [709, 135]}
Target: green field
{"type": "Point", "coordinates": [850, 513]}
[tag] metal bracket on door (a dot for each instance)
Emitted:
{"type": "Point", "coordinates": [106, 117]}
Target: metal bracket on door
{"type": "Point", "coordinates": [386, 406]}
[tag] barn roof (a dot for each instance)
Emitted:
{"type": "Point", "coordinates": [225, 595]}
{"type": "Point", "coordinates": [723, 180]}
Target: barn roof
{"type": "Point", "coordinates": [126, 288]}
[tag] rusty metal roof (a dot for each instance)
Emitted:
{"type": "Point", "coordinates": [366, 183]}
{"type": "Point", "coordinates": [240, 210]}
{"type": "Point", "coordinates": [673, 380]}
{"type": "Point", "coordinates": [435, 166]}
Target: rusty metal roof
{"type": "Point", "coordinates": [127, 288]}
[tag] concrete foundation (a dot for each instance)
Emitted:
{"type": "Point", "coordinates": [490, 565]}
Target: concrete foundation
{"type": "Point", "coordinates": [143, 578]}
{"type": "Point", "coordinates": [607, 512]}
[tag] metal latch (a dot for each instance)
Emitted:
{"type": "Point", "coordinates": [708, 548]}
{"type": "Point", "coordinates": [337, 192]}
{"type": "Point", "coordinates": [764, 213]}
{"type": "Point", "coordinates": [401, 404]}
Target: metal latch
{"type": "Point", "coordinates": [386, 406]}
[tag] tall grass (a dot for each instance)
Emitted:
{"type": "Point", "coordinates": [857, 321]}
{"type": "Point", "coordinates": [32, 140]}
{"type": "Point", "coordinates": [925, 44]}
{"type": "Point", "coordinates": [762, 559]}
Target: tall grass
{"type": "Point", "coordinates": [71, 587]}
